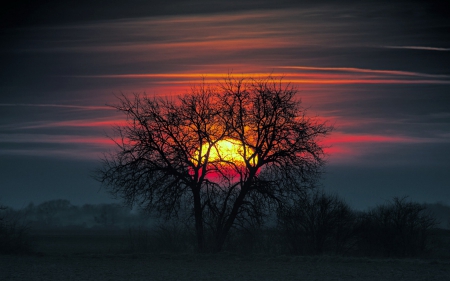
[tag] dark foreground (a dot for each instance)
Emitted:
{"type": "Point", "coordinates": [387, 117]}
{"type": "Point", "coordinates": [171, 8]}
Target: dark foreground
{"type": "Point", "coordinates": [111, 257]}
{"type": "Point", "coordinates": [223, 266]}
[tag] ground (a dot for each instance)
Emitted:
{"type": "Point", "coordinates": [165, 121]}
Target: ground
{"type": "Point", "coordinates": [108, 257]}
{"type": "Point", "coordinates": [225, 266]}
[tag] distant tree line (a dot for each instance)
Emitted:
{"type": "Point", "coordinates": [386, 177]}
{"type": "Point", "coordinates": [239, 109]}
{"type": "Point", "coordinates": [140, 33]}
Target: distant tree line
{"type": "Point", "coordinates": [314, 224]}
{"type": "Point", "coordinates": [61, 214]}
{"type": "Point", "coordinates": [321, 223]}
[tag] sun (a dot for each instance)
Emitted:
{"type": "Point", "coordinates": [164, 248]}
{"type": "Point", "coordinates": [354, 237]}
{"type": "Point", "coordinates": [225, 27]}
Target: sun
{"type": "Point", "coordinates": [226, 154]}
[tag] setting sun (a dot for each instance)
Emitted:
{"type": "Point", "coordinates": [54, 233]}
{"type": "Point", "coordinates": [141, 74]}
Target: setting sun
{"type": "Point", "coordinates": [226, 151]}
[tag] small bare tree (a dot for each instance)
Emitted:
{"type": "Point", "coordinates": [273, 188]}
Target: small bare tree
{"type": "Point", "coordinates": [227, 153]}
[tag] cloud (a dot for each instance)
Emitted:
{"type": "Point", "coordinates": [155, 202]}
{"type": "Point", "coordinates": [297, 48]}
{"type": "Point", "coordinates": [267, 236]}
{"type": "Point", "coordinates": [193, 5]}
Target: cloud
{"type": "Point", "coordinates": [325, 49]}
{"type": "Point", "coordinates": [369, 71]}
{"type": "Point", "coordinates": [420, 48]}
{"type": "Point", "coordinates": [304, 75]}
{"type": "Point", "coordinates": [84, 107]}
{"type": "Point", "coordinates": [54, 139]}
{"type": "Point", "coordinates": [62, 146]}
{"type": "Point", "coordinates": [366, 149]}
{"type": "Point", "coordinates": [77, 123]}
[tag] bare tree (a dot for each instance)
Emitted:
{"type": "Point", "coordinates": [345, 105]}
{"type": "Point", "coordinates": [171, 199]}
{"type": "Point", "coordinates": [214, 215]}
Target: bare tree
{"type": "Point", "coordinates": [316, 223]}
{"type": "Point", "coordinates": [399, 228]}
{"type": "Point", "coordinates": [171, 154]}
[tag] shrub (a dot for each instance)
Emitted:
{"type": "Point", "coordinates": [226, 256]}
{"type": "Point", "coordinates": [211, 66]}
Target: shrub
{"type": "Point", "coordinates": [14, 237]}
{"type": "Point", "coordinates": [316, 223]}
{"type": "Point", "coordinates": [399, 229]}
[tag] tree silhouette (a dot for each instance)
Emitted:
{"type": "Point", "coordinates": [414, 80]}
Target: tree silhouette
{"type": "Point", "coordinates": [14, 234]}
{"type": "Point", "coordinates": [316, 223]}
{"type": "Point", "coordinates": [170, 154]}
{"type": "Point", "coordinates": [399, 228]}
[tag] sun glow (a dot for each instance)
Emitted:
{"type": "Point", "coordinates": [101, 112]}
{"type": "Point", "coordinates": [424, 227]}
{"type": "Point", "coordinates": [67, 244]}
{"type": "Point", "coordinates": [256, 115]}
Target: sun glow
{"type": "Point", "coordinates": [226, 154]}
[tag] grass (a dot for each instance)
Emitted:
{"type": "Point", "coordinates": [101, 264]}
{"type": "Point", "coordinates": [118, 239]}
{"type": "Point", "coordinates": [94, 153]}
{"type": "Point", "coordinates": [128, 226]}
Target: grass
{"type": "Point", "coordinates": [223, 266]}
{"type": "Point", "coordinates": [79, 244]}
{"type": "Point", "coordinates": [109, 256]}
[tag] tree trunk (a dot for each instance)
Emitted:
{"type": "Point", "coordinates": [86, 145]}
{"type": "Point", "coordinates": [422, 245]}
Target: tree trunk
{"type": "Point", "coordinates": [225, 228]}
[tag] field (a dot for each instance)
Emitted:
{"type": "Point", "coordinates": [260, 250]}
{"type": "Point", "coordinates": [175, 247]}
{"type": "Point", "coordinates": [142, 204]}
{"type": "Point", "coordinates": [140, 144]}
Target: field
{"type": "Point", "coordinates": [104, 257]}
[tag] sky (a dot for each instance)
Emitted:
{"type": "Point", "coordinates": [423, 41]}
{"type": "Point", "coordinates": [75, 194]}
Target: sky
{"type": "Point", "coordinates": [379, 72]}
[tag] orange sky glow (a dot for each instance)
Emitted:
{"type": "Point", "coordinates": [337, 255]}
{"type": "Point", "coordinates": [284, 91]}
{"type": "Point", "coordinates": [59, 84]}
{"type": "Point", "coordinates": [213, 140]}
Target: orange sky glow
{"type": "Point", "coordinates": [377, 72]}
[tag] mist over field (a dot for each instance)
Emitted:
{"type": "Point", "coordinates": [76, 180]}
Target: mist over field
{"type": "Point", "coordinates": [57, 240]}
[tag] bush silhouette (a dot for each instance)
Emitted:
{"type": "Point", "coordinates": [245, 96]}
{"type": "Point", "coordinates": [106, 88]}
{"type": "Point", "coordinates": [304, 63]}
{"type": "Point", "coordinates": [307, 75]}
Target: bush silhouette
{"type": "Point", "coordinates": [14, 238]}
{"type": "Point", "coordinates": [399, 229]}
{"type": "Point", "coordinates": [316, 223]}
